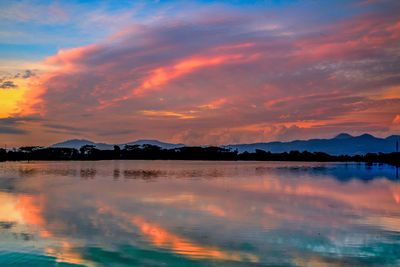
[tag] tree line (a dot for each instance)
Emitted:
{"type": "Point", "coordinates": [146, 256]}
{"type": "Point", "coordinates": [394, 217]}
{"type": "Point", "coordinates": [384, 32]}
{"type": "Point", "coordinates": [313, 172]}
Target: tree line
{"type": "Point", "coordinates": [152, 152]}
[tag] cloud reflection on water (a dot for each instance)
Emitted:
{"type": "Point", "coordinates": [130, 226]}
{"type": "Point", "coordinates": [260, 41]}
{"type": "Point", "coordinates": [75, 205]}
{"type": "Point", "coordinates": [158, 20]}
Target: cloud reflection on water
{"type": "Point", "coordinates": [208, 212]}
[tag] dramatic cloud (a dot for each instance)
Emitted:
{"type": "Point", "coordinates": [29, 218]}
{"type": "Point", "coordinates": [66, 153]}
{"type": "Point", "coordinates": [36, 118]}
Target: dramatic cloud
{"type": "Point", "coordinates": [229, 75]}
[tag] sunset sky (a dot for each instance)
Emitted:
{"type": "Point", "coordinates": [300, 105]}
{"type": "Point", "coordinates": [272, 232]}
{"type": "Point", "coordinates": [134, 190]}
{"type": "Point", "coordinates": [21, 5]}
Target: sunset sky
{"type": "Point", "coordinates": [198, 72]}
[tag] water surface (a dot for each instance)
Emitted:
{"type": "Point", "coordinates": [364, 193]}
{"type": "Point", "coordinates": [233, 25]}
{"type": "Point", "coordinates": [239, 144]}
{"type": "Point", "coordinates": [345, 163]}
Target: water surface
{"type": "Point", "coordinates": [198, 213]}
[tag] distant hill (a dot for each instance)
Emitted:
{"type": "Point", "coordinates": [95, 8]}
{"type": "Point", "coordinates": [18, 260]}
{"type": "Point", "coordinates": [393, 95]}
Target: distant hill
{"type": "Point", "coordinates": [78, 143]}
{"type": "Point", "coordinates": [342, 144]}
{"type": "Point", "coordinates": [339, 145]}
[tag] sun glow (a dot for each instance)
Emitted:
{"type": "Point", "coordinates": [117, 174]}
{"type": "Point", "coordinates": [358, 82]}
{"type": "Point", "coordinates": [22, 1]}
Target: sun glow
{"type": "Point", "coordinates": [9, 99]}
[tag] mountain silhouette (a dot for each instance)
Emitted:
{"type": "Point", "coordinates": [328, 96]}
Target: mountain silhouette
{"type": "Point", "coordinates": [342, 144]}
{"type": "Point", "coordinates": [343, 136]}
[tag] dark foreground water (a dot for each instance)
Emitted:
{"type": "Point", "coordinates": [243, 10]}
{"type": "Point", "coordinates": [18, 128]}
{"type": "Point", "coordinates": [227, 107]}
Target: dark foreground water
{"type": "Point", "coordinates": [194, 213]}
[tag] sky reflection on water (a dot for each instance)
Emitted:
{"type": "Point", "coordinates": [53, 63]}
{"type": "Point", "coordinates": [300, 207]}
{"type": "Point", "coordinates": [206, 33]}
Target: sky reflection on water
{"type": "Point", "coordinates": [174, 213]}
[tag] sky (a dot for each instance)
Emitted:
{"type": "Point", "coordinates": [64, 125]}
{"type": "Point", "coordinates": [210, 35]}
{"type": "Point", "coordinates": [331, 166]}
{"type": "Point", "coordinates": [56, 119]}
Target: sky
{"type": "Point", "coordinates": [198, 72]}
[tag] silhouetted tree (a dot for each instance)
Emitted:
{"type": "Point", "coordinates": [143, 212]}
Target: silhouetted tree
{"type": "Point", "coordinates": [89, 152]}
{"type": "Point", "coordinates": [86, 149]}
{"type": "Point", "coordinates": [3, 154]}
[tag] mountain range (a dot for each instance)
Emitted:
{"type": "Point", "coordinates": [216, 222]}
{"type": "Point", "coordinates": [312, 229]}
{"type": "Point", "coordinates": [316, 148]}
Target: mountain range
{"type": "Point", "coordinates": [342, 144]}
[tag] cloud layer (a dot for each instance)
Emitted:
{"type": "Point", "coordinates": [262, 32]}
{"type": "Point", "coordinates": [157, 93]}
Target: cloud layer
{"type": "Point", "coordinates": [226, 76]}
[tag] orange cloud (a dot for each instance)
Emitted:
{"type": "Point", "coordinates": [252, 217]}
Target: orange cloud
{"type": "Point", "coordinates": [215, 104]}
{"type": "Point", "coordinates": [396, 119]}
{"type": "Point", "coordinates": [161, 113]}
{"type": "Point", "coordinates": [161, 76]}
{"type": "Point", "coordinates": [70, 58]}
{"type": "Point", "coordinates": [396, 122]}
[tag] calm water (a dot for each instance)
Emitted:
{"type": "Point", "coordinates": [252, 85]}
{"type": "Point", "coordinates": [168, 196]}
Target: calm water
{"type": "Point", "coordinates": [187, 213]}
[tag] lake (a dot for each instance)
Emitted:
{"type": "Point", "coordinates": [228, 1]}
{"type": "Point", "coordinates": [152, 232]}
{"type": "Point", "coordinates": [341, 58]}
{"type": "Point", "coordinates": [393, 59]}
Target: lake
{"type": "Point", "coordinates": [198, 213]}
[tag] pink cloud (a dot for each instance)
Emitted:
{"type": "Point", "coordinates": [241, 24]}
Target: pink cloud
{"type": "Point", "coordinates": [363, 36]}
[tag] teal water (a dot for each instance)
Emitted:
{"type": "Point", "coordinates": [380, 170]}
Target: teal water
{"type": "Point", "coordinates": [198, 213]}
